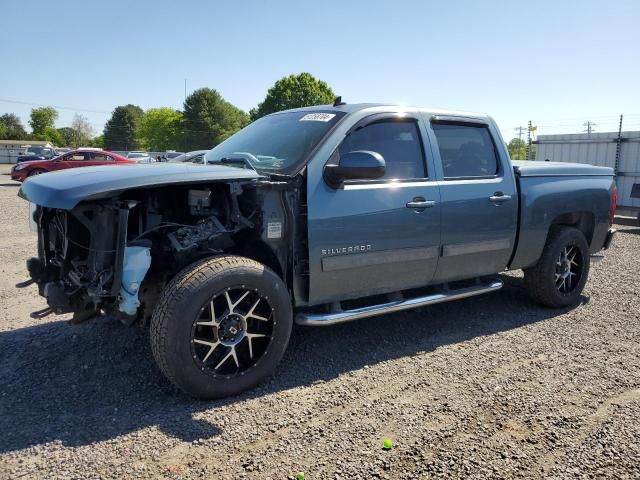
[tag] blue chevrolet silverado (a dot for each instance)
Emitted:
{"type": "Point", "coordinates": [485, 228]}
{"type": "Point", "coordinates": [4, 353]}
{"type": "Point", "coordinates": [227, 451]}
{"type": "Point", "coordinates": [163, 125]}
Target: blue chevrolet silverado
{"type": "Point", "coordinates": [316, 216]}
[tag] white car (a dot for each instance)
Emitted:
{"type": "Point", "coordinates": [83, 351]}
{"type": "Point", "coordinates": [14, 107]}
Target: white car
{"type": "Point", "coordinates": [141, 157]}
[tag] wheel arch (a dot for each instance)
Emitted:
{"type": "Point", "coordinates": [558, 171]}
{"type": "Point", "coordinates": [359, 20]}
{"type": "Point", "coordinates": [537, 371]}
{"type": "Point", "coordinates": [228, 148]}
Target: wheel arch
{"type": "Point", "coordinates": [583, 221]}
{"type": "Point", "coordinates": [254, 248]}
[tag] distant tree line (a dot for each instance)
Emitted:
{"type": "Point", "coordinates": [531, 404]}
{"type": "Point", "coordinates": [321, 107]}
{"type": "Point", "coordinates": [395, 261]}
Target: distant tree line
{"type": "Point", "coordinates": [206, 119]}
{"type": "Point", "coordinates": [42, 123]}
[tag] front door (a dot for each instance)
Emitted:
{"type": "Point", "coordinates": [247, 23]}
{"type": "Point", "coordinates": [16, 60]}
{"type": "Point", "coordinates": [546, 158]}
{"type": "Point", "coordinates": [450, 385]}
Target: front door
{"type": "Point", "coordinates": [77, 159]}
{"type": "Point", "coordinates": [479, 201]}
{"type": "Point", "coordinates": [380, 236]}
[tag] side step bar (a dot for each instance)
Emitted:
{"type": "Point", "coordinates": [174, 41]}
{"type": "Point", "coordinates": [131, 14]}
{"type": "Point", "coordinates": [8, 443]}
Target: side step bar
{"type": "Point", "coordinates": [322, 319]}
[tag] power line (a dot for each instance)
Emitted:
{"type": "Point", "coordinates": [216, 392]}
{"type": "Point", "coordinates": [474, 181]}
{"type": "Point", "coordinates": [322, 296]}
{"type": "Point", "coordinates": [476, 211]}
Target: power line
{"type": "Point", "coordinates": [59, 107]}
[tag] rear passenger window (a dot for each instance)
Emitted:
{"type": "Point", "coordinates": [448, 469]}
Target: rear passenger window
{"type": "Point", "coordinates": [466, 150]}
{"type": "Point", "coordinates": [397, 142]}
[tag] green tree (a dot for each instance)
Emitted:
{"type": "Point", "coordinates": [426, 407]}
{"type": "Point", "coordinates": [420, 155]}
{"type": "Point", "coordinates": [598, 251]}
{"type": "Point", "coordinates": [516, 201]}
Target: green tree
{"type": "Point", "coordinates": [294, 91]}
{"type": "Point", "coordinates": [160, 129]}
{"type": "Point", "coordinates": [67, 135]}
{"type": "Point", "coordinates": [120, 130]}
{"type": "Point", "coordinates": [13, 129]}
{"type": "Point", "coordinates": [97, 142]}
{"type": "Point", "coordinates": [209, 119]}
{"type": "Point", "coordinates": [50, 134]}
{"type": "Point", "coordinates": [42, 118]}
{"type": "Point", "coordinates": [517, 149]}
{"type": "Point", "coordinates": [54, 136]}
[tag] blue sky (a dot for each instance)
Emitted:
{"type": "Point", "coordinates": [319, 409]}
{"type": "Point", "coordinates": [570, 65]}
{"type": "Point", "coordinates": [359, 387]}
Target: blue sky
{"type": "Point", "coordinates": [558, 63]}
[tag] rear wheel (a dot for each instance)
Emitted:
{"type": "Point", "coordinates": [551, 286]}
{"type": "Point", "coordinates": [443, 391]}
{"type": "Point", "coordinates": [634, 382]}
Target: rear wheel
{"type": "Point", "coordinates": [221, 326]}
{"type": "Point", "coordinates": [559, 277]}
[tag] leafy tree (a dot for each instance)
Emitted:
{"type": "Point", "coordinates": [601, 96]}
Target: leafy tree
{"type": "Point", "coordinates": [54, 136]}
{"type": "Point", "coordinates": [160, 129]}
{"type": "Point", "coordinates": [82, 129]}
{"type": "Point", "coordinates": [120, 130]}
{"type": "Point", "coordinates": [13, 129]}
{"type": "Point", "coordinates": [209, 119]}
{"type": "Point", "coordinates": [518, 149]}
{"type": "Point", "coordinates": [3, 131]}
{"type": "Point", "coordinates": [67, 135]}
{"type": "Point", "coordinates": [42, 118]}
{"type": "Point", "coordinates": [50, 134]}
{"type": "Point", "coordinates": [97, 142]}
{"type": "Point", "coordinates": [294, 91]}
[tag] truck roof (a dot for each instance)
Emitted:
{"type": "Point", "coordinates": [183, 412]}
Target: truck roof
{"type": "Point", "coordinates": [356, 107]}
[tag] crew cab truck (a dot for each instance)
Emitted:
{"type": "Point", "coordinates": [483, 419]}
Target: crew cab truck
{"type": "Point", "coordinates": [316, 216]}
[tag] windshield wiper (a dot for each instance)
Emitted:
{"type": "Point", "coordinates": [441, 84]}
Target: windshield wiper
{"type": "Point", "coordinates": [235, 161]}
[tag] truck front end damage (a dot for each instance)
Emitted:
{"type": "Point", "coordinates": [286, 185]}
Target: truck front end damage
{"type": "Point", "coordinates": [80, 256]}
{"type": "Point", "coordinates": [116, 254]}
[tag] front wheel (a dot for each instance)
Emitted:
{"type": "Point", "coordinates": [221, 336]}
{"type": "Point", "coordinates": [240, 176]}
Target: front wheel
{"type": "Point", "coordinates": [221, 326]}
{"type": "Point", "coordinates": [36, 171]}
{"type": "Point", "coordinates": [559, 277]}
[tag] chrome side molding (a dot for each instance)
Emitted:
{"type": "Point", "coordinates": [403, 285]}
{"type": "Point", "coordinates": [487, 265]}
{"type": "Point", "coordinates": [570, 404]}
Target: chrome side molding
{"type": "Point", "coordinates": [341, 316]}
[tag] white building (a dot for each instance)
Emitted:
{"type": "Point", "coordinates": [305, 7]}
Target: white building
{"type": "Point", "coordinates": [603, 149]}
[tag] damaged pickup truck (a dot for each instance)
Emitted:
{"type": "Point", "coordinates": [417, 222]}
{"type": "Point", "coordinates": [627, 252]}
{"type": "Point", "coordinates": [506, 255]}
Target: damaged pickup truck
{"type": "Point", "coordinates": [317, 215]}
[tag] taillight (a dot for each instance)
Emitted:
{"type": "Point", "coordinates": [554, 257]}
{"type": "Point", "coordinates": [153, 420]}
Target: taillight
{"type": "Point", "coordinates": [614, 204]}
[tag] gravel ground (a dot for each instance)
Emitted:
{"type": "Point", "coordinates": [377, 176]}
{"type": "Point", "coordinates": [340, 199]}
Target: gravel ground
{"type": "Point", "coordinates": [486, 387]}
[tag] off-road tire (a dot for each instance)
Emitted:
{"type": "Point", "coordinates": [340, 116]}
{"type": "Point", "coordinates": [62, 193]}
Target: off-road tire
{"type": "Point", "coordinates": [180, 302]}
{"type": "Point", "coordinates": [540, 279]}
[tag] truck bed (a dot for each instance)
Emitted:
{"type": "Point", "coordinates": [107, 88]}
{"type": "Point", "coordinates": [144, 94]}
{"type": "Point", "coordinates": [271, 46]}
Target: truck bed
{"type": "Point", "coordinates": [569, 193]}
{"type": "Point", "coordinates": [528, 168]}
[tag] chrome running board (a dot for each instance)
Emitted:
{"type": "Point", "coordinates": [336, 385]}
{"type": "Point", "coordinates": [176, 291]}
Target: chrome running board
{"type": "Point", "coordinates": [322, 319]}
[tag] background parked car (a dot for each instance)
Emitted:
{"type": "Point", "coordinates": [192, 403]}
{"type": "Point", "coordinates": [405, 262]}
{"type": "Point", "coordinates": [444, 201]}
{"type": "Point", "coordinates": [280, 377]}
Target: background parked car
{"type": "Point", "coordinates": [38, 153]}
{"type": "Point", "coordinates": [141, 157]}
{"type": "Point", "coordinates": [170, 155]}
{"type": "Point", "coordinates": [194, 157]}
{"type": "Point", "coordinates": [73, 159]}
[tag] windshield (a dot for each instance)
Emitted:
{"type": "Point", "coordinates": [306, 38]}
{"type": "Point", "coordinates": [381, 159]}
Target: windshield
{"type": "Point", "coordinates": [277, 142]}
{"type": "Point", "coordinates": [137, 155]}
{"type": "Point", "coordinates": [40, 151]}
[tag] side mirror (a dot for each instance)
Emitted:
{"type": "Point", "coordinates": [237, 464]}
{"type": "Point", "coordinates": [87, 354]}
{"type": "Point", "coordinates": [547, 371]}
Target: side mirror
{"type": "Point", "coordinates": [356, 165]}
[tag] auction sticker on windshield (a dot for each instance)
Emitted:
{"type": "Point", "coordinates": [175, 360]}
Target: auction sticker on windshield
{"type": "Point", "coordinates": [317, 117]}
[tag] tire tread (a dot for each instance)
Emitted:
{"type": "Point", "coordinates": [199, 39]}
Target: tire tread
{"type": "Point", "coordinates": [183, 285]}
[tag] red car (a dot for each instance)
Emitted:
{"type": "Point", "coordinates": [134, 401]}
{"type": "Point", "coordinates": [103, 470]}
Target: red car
{"type": "Point", "coordinates": [75, 158]}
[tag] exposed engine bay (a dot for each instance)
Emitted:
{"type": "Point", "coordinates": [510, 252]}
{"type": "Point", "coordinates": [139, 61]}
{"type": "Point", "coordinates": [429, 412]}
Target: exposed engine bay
{"type": "Point", "coordinates": [116, 254]}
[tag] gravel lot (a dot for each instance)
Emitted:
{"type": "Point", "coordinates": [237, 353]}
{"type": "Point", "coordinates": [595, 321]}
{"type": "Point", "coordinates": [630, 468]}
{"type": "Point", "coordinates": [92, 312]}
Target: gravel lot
{"type": "Point", "coordinates": [486, 387]}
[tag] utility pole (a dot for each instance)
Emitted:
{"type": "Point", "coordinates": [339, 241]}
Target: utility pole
{"type": "Point", "coordinates": [184, 132]}
{"type": "Point", "coordinates": [520, 130]}
{"type": "Point", "coordinates": [589, 125]}
{"type": "Point", "coordinates": [529, 140]}
{"type": "Point", "coordinates": [618, 142]}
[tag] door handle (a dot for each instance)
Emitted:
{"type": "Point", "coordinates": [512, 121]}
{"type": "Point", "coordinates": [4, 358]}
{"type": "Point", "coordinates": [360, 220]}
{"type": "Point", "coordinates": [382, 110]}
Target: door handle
{"type": "Point", "coordinates": [499, 198]}
{"type": "Point", "coordinates": [421, 204]}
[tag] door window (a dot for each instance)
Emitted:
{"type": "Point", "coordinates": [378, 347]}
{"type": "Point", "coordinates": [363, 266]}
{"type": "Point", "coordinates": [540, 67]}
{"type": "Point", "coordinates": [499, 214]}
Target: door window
{"type": "Point", "coordinates": [466, 150]}
{"type": "Point", "coordinates": [78, 157]}
{"type": "Point", "coordinates": [398, 142]}
{"type": "Point", "coordinates": [100, 157]}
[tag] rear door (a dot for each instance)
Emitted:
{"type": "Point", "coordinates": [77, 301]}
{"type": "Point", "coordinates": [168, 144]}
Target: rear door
{"type": "Point", "coordinates": [479, 198]}
{"type": "Point", "coordinates": [77, 159]}
{"type": "Point", "coordinates": [378, 236]}
{"type": "Point", "coordinates": [99, 158]}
